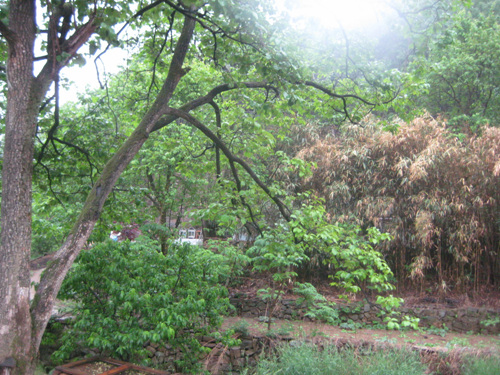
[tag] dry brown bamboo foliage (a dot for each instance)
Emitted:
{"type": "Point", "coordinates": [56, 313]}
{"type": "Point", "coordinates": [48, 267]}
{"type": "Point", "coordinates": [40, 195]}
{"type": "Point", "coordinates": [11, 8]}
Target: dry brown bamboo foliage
{"type": "Point", "coordinates": [438, 197]}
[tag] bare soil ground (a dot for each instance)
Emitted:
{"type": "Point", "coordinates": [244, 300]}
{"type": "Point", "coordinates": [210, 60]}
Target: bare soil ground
{"type": "Point", "coordinates": [412, 295]}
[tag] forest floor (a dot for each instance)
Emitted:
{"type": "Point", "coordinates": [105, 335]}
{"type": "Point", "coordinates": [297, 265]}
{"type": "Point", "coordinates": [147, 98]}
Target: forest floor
{"type": "Point", "coordinates": [435, 341]}
{"type": "Point", "coordinates": [422, 296]}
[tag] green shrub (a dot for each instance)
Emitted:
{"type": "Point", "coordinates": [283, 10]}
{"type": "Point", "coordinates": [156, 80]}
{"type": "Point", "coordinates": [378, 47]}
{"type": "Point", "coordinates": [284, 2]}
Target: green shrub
{"type": "Point", "coordinates": [241, 327]}
{"type": "Point", "coordinates": [130, 294]}
{"type": "Point", "coordinates": [308, 360]}
{"type": "Point", "coordinates": [317, 305]}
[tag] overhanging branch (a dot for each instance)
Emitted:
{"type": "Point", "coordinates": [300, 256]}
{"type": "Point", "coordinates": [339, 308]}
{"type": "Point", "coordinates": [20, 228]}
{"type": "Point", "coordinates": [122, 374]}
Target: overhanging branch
{"type": "Point", "coordinates": [164, 121]}
{"type": "Point", "coordinates": [345, 97]}
{"type": "Point", "coordinates": [338, 96]}
{"type": "Point", "coordinates": [285, 211]}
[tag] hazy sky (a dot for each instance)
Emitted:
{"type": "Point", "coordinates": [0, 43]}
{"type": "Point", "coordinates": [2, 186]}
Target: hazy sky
{"type": "Point", "coordinates": [351, 14]}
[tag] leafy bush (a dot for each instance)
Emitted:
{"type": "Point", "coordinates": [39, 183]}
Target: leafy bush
{"type": "Point", "coordinates": [235, 258]}
{"type": "Point", "coordinates": [50, 224]}
{"type": "Point", "coordinates": [308, 360]}
{"type": "Point", "coordinates": [353, 262]}
{"type": "Point", "coordinates": [317, 305]}
{"type": "Point", "coordinates": [130, 294]}
{"type": "Point", "coordinates": [241, 327]}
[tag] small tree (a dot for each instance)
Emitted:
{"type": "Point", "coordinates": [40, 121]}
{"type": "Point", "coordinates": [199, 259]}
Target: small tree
{"type": "Point", "coordinates": [276, 255]}
{"type": "Point", "coordinates": [356, 266]}
{"type": "Point", "coordinates": [131, 294]}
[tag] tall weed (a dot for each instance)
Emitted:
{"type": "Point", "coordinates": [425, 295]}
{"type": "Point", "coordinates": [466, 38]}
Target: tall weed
{"type": "Point", "coordinates": [309, 360]}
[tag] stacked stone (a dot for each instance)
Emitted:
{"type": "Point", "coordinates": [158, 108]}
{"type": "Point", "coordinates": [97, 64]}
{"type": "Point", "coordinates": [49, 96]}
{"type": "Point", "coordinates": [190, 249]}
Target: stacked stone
{"type": "Point", "coordinates": [468, 319]}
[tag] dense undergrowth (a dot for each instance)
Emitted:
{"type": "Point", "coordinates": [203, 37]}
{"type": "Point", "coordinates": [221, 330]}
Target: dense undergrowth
{"type": "Point", "coordinates": [126, 295]}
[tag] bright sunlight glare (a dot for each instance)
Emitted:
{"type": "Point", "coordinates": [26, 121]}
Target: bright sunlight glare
{"type": "Point", "coordinates": [329, 14]}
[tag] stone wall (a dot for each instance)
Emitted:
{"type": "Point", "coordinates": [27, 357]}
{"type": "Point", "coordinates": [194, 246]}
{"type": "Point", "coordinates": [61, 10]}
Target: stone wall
{"type": "Point", "coordinates": [225, 360]}
{"type": "Point", "coordinates": [232, 360]}
{"type": "Point", "coordinates": [455, 319]}
{"type": "Point", "coordinates": [219, 360]}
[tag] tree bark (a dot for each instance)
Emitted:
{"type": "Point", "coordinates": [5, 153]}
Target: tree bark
{"type": "Point", "coordinates": [20, 125]}
{"type": "Point", "coordinates": [24, 97]}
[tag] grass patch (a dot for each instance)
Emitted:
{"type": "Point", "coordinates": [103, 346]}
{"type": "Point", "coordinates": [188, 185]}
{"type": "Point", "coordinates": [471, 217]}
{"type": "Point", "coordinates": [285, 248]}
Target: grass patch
{"type": "Point", "coordinates": [309, 360]}
{"type": "Point", "coordinates": [482, 366]}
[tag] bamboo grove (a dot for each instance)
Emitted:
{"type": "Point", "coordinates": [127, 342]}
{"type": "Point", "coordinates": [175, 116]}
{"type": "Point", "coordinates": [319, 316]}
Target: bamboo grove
{"type": "Point", "coordinates": [438, 196]}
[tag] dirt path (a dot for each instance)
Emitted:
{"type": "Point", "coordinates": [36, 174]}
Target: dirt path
{"type": "Point", "coordinates": [443, 341]}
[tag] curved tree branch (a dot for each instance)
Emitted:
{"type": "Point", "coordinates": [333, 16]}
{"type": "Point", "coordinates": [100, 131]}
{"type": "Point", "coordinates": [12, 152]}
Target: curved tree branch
{"type": "Point", "coordinates": [234, 171]}
{"type": "Point", "coordinates": [50, 283]}
{"type": "Point", "coordinates": [338, 96]}
{"type": "Point", "coordinates": [206, 99]}
{"type": "Point", "coordinates": [345, 97]}
{"type": "Point", "coordinates": [7, 33]}
{"type": "Point", "coordinates": [284, 210]}
{"type": "Point", "coordinates": [50, 185]}
{"type": "Point", "coordinates": [84, 152]}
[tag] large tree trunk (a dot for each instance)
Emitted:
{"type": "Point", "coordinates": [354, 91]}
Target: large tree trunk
{"type": "Point", "coordinates": [21, 119]}
{"type": "Point", "coordinates": [24, 96]}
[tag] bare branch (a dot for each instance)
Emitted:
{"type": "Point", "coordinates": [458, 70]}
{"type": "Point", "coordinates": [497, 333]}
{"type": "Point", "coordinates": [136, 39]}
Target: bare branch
{"type": "Point", "coordinates": [141, 12]}
{"type": "Point", "coordinates": [338, 96]}
{"type": "Point", "coordinates": [162, 47]}
{"type": "Point", "coordinates": [138, 14]}
{"type": "Point", "coordinates": [54, 194]}
{"type": "Point", "coordinates": [202, 19]}
{"type": "Point", "coordinates": [46, 103]}
{"type": "Point", "coordinates": [435, 7]}
{"type": "Point", "coordinates": [234, 171]}
{"type": "Point", "coordinates": [84, 152]}
{"type": "Point", "coordinates": [67, 50]}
